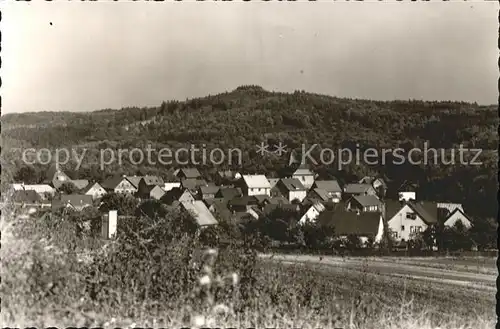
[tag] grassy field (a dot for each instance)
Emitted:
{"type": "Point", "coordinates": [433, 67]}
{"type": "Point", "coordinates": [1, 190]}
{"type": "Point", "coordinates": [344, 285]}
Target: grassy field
{"type": "Point", "coordinates": [44, 285]}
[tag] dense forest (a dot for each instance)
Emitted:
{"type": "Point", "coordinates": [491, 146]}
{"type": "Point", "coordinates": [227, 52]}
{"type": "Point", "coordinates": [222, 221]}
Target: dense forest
{"type": "Point", "coordinates": [249, 115]}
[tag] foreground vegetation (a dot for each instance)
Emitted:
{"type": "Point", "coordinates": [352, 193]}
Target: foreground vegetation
{"type": "Point", "coordinates": [162, 272]}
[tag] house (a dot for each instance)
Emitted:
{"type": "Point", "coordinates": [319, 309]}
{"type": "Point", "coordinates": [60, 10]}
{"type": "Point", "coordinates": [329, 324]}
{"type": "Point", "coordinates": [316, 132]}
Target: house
{"type": "Point", "coordinates": [242, 204]}
{"type": "Point", "coordinates": [312, 213]}
{"type": "Point", "coordinates": [77, 201]}
{"type": "Point", "coordinates": [449, 207]}
{"type": "Point", "coordinates": [156, 193]}
{"type": "Point", "coordinates": [45, 191]}
{"type": "Point", "coordinates": [318, 194]}
{"type": "Point", "coordinates": [80, 184]}
{"type": "Point", "coordinates": [193, 185]}
{"type": "Point", "coordinates": [56, 177]}
{"type": "Point", "coordinates": [407, 191]}
{"type": "Point", "coordinates": [26, 198]}
{"type": "Point", "coordinates": [177, 194]}
{"type": "Point", "coordinates": [305, 176]}
{"type": "Point", "coordinates": [229, 193]}
{"type": "Point", "coordinates": [147, 184]}
{"type": "Point", "coordinates": [292, 189]}
{"type": "Point", "coordinates": [407, 218]}
{"type": "Point", "coordinates": [135, 180]}
{"type": "Point", "coordinates": [223, 177]}
{"type": "Point", "coordinates": [378, 184]}
{"type": "Point", "coordinates": [293, 209]}
{"type": "Point", "coordinates": [208, 192]}
{"type": "Point", "coordinates": [187, 173]}
{"type": "Point", "coordinates": [220, 210]}
{"type": "Point", "coordinates": [358, 189]}
{"type": "Point", "coordinates": [200, 212]}
{"type": "Point", "coordinates": [367, 225]}
{"type": "Point", "coordinates": [364, 203]}
{"type": "Point", "coordinates": [119, 185]}
{"type": "Point", "coordinates": [255, 185]}
{"type": "Point", "coordinates": [457, 215]}
{"type": "Point", "coordinates": [331, 187]}
{"type": "Point", "coordinates": [95, 190]}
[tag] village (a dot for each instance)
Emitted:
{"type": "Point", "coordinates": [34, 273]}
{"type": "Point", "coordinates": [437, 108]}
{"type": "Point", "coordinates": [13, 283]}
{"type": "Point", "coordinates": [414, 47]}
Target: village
{"type": "Point", "coordinates": [365, 208]}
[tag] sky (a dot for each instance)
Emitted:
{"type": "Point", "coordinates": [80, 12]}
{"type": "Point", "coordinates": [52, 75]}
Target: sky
{"type": "Point", "coordinates": [81, 56]}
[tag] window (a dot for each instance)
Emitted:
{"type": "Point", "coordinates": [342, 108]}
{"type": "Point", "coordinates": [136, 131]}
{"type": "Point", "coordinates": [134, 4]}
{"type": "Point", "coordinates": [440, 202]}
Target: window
{"type": "Point", "coordinates": [418, 229]}
{"type": "Point", "coordinates": [411, 215]}
{"type": "Point", "coordinates": [394, 235]}
{"type": "Point", "coordinates": [402, 227]}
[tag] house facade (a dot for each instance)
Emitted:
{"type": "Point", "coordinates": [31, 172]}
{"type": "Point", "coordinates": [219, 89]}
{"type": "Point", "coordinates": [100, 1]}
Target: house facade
{"type": "Point", "coordinates": [292, 189]}
{"type": "Point", "coordinates": [96, 191]}
{"type": "Point", "coordinates": [312, 213]}
{"type": "Point", "coordinates": [364, 203]}
{"type": "Point", "coordinates": [359, 189]}
{"type": "Point", "coordinates": [119, 185]}
{"type": "Point", "coordinates": [305, 177]}
{"type": "Point", "coordinates": [456, 216]}
{"type": "Point", "coordinates": [256, 185]}
{"type": "Point", "coordinates": [331, 187]}
{"type": "Point", "coordinates": [412, 218]}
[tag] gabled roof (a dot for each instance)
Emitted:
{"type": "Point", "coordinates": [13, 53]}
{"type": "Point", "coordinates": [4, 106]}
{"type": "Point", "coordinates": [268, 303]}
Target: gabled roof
{"type": "Point", "coordinates": [80, 183]}
{"type": "Point", "coordinates": [77, 199]}
{"type": "Point", "coordinates": [427, 210]}
{"type": "Point", "coordinates": [256, 181]}
{"type": "Point", "coordinates": [153, 180]}
{"type": "Point", "coordinates": [193, 184]}
{"type": "Point", "coordinates": [392, 207]}
{"type": "Point", "coordinates": [112, 182]}
{"type": "Point", "coordinates": [292, 184]}
{"type": "Point", "coordinates": [367, 200]}
{"type": "Point", "coordinates": [331, 186]}
{"type": "Point", "coordinates": [459, 211]}
{"type": "Point", "coordinates": [53, 170]}
{"type": "Point", "coordinates": [189, 172]}
{"type": "Point", "coordinates": [262, 198]}
{"type": "Point", "coordinates": [221, 211]}
{"type": "Point", "coordinates": [134, 180]}
{"type": "Point", "coordinates": [90, 186]}
{"type": "Point", "coordinates": [210, 189]}
{"type": "Point", "coordinates": [202, 215]}
{"type": "Point", "coordinates": [26, 196]}
{"type": "Point", "coordinates": [277, 200]}
{"type": "Point", "coordinates": [349, 222]}
{"type": "Point", "coordinates": [229, 192]}
{"type": "Point", "coordinates": [273, 181]}
{"type": "Point", "coordinates": [303, 172]}
{"type": "Point", "coordinates": [156, 189]}
{"type": "Point", "coordinates": [357, 188]}
{"type": "Point", "coordinates": [322, 194]}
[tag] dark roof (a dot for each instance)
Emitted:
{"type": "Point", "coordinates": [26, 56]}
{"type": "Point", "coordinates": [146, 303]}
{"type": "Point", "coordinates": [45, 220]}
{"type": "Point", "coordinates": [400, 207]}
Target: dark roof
{"type": "Point", "coordinates": [367, 200]}
{"type": "Point", "coordinates": [303, 171]}
{"type": "Point", "coordinates": [349, 222]}
{"type": "Point", "coordinates": [134, 180]}
{"type": "Point", "coordinates": [193, 184]}
{"type": "Point", "coordinates": [190, 172]}
{"type": "Point", "coordinates": [221, 211]}
{"type": "Point", "coordinates": [112, 182]}
{"type": "Point", "coordinates": [408, 187]}
{"type": "Point", "coordinates": [320, 193]}
{"type": "Point", "coordinates": [229, 192]}
{"type": "Point", "coordinates": [152, 180]}
{"type": "Point", "coordinates": [243, 200]}
{"type": "Point", "coordinates": [77, 199]}
{"type": "Point", "coordinates": [357, 188]}
{"type": "Point", "coordinates": [427, 210]}
{"type": "Point", "coordinates": [278, 200]}
{"type": "Point", "coordinates": [210, 189]}
{"type": "Point", "coordinates": [391, 208]}
{"type": "Point", "coordinates": [331, 186]}
{"type": "Point", "coordinates": [292, 184]}
{"type": "Point", "coordinates": [26, 196]}
{"type": "Point", "coordinates": [213, 201]}
{"type": "Point", "coordinates": [269, 208]}
{"type": "Point", "coordinates": [80, 183]}
{"type": "Point", "coordinates": [262, 198]}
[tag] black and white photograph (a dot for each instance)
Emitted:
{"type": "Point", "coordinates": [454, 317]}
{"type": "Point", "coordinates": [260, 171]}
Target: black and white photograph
{"type": "Point", "coordinates": [249, 164]}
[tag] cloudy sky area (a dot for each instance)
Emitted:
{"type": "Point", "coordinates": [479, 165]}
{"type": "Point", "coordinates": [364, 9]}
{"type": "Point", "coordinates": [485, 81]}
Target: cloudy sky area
{"type": "Point", "coordinates": [110, 55]}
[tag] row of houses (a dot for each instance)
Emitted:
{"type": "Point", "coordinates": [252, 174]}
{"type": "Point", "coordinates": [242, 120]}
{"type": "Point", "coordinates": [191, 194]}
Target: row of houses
{"type": "Point", "coordinates": [357, 208]}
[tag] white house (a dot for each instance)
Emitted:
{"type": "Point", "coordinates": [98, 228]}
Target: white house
{"type": "Point", "coordinates": [167, 186]}
{"type": "Point", "coordinates": [407, 192]}
{"type": "Point", "coordinates": [458, 215]}
{"type": "Point", "coordinates": [256, 185]}
{"type": "Point", "coordinates": [408, 218]}
{"type": "Point", "coordinates": [305, 176]}
{"type": "Point", "coordinates": [96, 191]}
{"type": "Point", "coordinates": [45, 191]}
{"type": "Point", "coordinates": [312, 213]}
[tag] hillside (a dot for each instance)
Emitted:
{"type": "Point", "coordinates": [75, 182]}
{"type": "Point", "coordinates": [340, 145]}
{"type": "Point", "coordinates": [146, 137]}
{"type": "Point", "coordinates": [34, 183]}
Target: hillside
{"type": "Point", "coordinates": [249, 115]}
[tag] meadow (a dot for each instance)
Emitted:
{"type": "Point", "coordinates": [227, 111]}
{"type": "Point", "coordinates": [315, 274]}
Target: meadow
{"type": "Point", "coordinates": [142, 279]}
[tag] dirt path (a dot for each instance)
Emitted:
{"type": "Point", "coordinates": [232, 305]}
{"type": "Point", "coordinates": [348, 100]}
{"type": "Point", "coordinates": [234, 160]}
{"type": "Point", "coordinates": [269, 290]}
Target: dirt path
{"type": "Point", "coordinates": [381, 266]}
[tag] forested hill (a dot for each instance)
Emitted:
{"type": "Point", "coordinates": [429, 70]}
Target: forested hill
{"type": "Point", "coordinates": [250, 115]}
